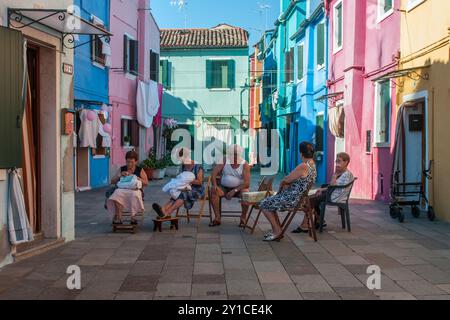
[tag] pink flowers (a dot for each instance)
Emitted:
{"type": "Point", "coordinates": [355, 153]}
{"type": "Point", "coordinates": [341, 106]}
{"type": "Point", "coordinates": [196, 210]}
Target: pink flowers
{"type": "Point", "coordinates": [170, 123]}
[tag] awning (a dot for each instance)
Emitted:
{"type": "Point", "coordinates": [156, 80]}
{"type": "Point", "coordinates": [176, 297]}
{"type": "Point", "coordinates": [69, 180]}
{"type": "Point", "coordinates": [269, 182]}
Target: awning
{"type": "Point", "coordinates": [412, 73]}
{"type": "Point", "coordinates": [61, 21]}
{"type": "Point", "coordinates": [335, 96]}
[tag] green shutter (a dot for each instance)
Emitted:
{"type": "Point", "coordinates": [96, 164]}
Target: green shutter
{"type": "Point", "coordinates": [320, 44]}
{"type": "Point", "coordinates": [300, 62]}
{"type": "Point", "coordinates": [231, 74]}
{"type": "Point", "coordinates": [169, 75]}
{"type": "Point", "coordinates": [208, 74]}
{"type": "Point", "coordinates": [319, 132]}
{"type": "Point", "coordinates": [11, 104]}
{"type": "Point", "coordinates": [135, 56]}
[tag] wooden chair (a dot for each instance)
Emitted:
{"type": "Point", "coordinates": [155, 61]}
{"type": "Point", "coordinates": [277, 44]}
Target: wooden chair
{"type": "Point", "coordinates": [265, 185]}
{"type": "Point", "coordinates": [343, 207]}
{"type": "Point", "coordinates": [305, 206]}
{"type": "Point", "coordinates": [231, 213]}
{"type": "Point", "coordinates": [202, 202]}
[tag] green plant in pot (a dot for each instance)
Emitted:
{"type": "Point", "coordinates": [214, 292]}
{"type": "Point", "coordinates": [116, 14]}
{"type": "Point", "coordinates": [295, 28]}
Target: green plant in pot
{"type": "Point", "coordinates": [126, 141]}
{"type": "Point", "coordinates": [172, 169]}
{"type": "Point", "coordinates": [155, 165]}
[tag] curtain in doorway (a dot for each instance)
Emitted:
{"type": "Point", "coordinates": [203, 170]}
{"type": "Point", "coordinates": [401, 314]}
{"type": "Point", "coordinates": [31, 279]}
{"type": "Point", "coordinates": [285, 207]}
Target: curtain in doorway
{"type": "Point", "coordinates": [336, 118]}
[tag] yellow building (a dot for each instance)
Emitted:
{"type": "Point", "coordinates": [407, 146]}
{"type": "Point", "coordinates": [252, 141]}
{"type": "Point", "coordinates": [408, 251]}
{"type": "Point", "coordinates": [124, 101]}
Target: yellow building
{"type": "Point", "coordinates": [423, 86]}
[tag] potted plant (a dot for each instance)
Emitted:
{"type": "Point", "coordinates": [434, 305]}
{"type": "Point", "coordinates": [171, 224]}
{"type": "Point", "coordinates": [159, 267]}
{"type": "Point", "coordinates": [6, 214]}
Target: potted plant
{"type": "Point", "coordinates": [159, 170]}
{"type": "Point", "coordinates": [155, 168]}
{"type": "Point", "coordinates": [147, 165]}
{"type": "Point", "coordinates": [126, 141]}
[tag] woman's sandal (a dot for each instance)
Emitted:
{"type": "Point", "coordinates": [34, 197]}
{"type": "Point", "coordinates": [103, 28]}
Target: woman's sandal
{"type": "Point", "coordinates": [134, 222]}
{"type": "Point", "coordinates": [300, 230]}
{"type": "Point", "coordinates": [272, 238]}
{"type": "Point", "coordinates": [158, 210]}
{"type": "Point", "coordinates": [215, 224]}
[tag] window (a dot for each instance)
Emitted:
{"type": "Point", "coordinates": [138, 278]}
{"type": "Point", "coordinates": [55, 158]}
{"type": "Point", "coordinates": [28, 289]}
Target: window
{"type": "Point", "coordinates": [385, 8]}
{"type": "Point", "coordinates": [319, 132]}
{"type": "Point", "coordinates": [289, 66]}
{"type": "Point", "coordinates": [382, 113]}
{"type": "Point", "coordinates": [338, 26]}
{"type": "Point", "coordinates": [300, 62]}
{"type": "Point", "coordinates": [165, 74]}
{"type": "Point", "coordinates": [414, 3]}
{"type": "Point", "coordinates": [131, 55]}
{"type": "Point", "coordinates": [320, 45]}
{"type": "Point", "coordinates": [97, 45]}
{"type": "Point", "coordinates": [154, 66]}
{"type": "Point", "coordinates": [220, 74]}
{"type": "Point", "coordinates": [129, 133]}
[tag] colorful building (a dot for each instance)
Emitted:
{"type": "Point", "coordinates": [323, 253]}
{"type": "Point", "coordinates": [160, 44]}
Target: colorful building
{"type": "Point", "coordinates": [36, 131]}
{"type": "Point", "coordinates": [423, 95]}
{"type": "Point", "coordinates": [309, 122]}
{"type": "Point", "coordinates": [291, 17]}
{"type": "Point", "coordinates": [205, 73]}
{"type": "Point", "coordinates": [91, 90]}
{"type": "Point", "coordinates": [364, 47]}
{"type": "Point", "coordinates": [135, 61]}
{"type": "Point", "coordinates": [256, 73]}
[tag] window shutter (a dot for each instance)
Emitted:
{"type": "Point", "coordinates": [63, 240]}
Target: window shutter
{"type": "Point", "coordinates": [134, 56]}
{"type": "Point", "coordinates": [169, 75]}
{"type": "Point", "coordinates": [208, 74]}
{"type": "Point", "coordinates": [320, 44]}
{"type": "Point", "coordinates": [134, 133]}
{"type": "Point", "coordinates": [163, 64]}
{"type": "Point", "coordinates": [11, 105]}
{"type": "Point", "coordinates": [126, 66]}
{"type": "Point", "coordinates": [231, 74]}
{"type": "Point", "coordinates": [286, 67]}
{"type": "Point", "coordinates": [300, 63]}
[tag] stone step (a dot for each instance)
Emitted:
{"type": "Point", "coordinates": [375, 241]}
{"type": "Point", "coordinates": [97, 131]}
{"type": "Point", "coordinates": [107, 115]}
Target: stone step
{"type": "Point", "coordinates": [36, 247]}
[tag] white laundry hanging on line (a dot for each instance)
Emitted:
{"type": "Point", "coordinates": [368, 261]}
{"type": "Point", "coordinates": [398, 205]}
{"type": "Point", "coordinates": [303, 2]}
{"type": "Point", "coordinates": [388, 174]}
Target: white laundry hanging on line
{"type": "Point", "coordinates": [88, 130]}
{"type": "Point", "coordinates": [147, 103]}
{"type": "Point", "coordinates": [106, 141]}
{"type": "Point", "coordinates": [106, 50]}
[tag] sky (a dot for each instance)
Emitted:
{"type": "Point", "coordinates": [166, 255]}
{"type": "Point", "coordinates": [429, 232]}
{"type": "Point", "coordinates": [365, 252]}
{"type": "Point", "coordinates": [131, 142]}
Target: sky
{"type": "Point", "coordinates": [209, 13]}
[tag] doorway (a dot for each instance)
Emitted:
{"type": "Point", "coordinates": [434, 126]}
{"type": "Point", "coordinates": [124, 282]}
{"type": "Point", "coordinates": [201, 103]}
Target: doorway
{"type": "Point", "coordinates": [33, 125]}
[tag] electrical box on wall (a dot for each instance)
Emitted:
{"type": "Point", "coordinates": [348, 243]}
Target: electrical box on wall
{"type": "Point", "coordinates": [415, 122]}
{"type": "Point", "coordinates": [68, 121]}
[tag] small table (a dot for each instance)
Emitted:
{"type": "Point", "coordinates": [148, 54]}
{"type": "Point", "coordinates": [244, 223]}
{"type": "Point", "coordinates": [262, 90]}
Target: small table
{"type": "Point", "coordinates": [157, 223]}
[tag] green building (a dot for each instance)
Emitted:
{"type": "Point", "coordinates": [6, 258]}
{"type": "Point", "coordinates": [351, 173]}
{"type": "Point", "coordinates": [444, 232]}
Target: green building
{"type": "Point", "coordinates": [205, 73]}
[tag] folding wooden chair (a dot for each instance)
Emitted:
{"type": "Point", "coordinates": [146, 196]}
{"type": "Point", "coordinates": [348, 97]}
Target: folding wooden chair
{"type": "Point", "coordinates": [305, 206]}
{"type": "Point", "coordinates": [265, 185]}
{"type": "Point", "coordinates": [234, 213]}
{"type": "Point", "coordinates": [202, 202]}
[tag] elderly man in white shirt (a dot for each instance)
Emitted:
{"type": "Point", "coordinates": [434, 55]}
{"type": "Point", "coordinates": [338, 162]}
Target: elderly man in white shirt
{"type": "Point", "coordinates": [341, 177]}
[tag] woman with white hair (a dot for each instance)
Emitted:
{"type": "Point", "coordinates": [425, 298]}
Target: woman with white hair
{"type": "Point", "coordinates": [234, 180]}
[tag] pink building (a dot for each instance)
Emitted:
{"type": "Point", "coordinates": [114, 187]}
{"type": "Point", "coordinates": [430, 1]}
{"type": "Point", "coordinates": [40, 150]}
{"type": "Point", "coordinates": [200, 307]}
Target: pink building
{"type": "Point", "coordinates": [364, 50]}
{"type": "Point", "coordinates": [135, 57]}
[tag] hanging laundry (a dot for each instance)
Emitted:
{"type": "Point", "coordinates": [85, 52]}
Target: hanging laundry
{"type": "Point", "coordinates": [147, 103]}
{"type": "Point", "coordinates": [106, 137]}
{"type": "Point", "coordinates": [88, 130]}
{"type": "Point", "coordinates": [106, 50]}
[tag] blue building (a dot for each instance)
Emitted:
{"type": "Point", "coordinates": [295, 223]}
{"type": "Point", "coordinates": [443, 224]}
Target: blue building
{"type": "Point", "coordinates": [310, 78]}
{"type": "Point", "coordinates": [91, 86]}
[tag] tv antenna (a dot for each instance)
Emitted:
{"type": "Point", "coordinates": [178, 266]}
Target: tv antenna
{"type": "Point", "coordinates": [182, 5]}
{"type": "Point", "coordinates": [263, 9]}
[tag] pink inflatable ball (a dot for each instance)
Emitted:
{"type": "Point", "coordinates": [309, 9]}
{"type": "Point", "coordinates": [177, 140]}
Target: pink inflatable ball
{"type": "Point", "coordinates": [91, 115]}
{"type": "Point", "coordinates": [107, 128]}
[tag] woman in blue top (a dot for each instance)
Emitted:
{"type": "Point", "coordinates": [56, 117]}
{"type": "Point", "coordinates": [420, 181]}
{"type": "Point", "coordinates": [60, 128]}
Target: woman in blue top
{"type": "Point", "coordinates": [187, 197]}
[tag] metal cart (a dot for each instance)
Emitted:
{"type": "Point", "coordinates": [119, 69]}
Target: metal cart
{"type": "Point", "coordinates": [409, 194]}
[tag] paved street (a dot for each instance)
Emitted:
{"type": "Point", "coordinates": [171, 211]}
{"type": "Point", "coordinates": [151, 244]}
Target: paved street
{"type": "Point", "coordinates": [227, 263]}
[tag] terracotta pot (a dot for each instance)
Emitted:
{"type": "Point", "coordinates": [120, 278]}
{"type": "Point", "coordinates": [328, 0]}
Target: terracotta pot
{"type": "Point", "coordinates": [149, 173]}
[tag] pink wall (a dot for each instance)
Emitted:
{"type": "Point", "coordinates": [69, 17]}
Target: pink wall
{"type": "Point", "coordinates": [369, 51]}
{"type": "Point", "coordinates": [139, 24]}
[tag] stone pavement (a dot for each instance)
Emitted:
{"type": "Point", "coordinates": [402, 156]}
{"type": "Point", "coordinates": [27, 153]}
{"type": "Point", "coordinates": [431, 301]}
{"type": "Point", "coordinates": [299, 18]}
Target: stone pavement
{"type": "Point", "coordinates": [227, 263]}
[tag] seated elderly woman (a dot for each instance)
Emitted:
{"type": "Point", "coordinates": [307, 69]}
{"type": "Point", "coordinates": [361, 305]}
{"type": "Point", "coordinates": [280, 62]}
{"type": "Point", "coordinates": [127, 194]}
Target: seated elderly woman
{"type": "Point", "coordinates": [291, 190]}
{"type": "Point", "coordinates": [186, 197]}
{"type": "Point", "coordinates": [128, 199]}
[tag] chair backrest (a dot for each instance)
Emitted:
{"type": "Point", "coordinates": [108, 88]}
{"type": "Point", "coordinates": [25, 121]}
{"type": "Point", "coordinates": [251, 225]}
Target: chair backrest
{"type": "Point", "coordinates": [266, 184]}
{"type": "Point", "coordinates": [348, 188]}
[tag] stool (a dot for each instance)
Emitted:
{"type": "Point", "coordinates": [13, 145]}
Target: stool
{"type": "Point", "coordinates": [157, 223]}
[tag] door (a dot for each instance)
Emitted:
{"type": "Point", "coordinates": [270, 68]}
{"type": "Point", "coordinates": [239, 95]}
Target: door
{"type": "Point", "coordinates": [34, 127]}
{"type": "Point", "coordinates": [414, 120]}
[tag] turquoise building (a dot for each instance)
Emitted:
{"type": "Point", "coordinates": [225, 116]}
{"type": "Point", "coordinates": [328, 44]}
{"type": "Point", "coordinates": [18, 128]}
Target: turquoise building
{"type": "Point", "coordinates": [293, 15]}
{"type": "Point", "coordinates": [205, 74]}
{"type": "Point", "coordinates": [309, 121]}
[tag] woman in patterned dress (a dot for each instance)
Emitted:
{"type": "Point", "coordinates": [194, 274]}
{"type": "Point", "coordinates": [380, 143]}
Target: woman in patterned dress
{"type": "Point", "coordinates": [292, 188]}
